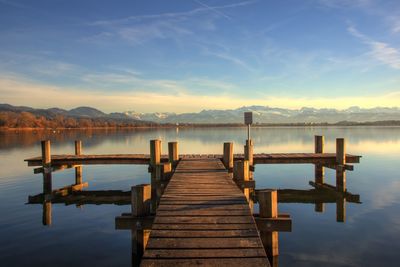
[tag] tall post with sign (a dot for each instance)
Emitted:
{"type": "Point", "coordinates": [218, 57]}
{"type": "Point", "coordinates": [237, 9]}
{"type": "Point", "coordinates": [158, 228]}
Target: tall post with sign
{"type": "Point", "coordinates": [248, 148]}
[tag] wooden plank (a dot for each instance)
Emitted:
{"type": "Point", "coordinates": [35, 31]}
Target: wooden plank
{"type": "Point", "coordinates": [204, 233]}
{"type": "Point", "coordinates": [201, 243]}
{"type": "Point", "coordinates": [220, 262]}
{"type": "Point", "coordinates": [204, 226]}
{"type": "Point", "coordinates": [205, 253]}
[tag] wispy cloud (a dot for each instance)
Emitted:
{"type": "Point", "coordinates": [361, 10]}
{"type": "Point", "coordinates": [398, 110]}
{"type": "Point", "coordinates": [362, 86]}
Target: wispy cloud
{"type": "Point", "coordinates": [142, 28]}
{"type": "Point", "coordinates": [14, 90]}
{"type": "Point", "coordinates": [378, 50]}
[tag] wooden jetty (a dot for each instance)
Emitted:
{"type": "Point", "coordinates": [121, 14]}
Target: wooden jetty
{"type": "Point", "coordinates": [198, 209]}
{"type": "Point", "coordinates": [203, 218]}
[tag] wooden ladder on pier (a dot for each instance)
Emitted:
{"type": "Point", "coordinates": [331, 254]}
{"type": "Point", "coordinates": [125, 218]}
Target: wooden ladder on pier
{"type": "Point", "coordinates": [203, 219]}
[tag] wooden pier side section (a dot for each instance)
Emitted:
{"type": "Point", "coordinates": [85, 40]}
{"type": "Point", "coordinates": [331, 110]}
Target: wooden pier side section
{"type": "Point", "coordinates": [204, 219]}
{"type": "Point", "coordinates": [274, 158]}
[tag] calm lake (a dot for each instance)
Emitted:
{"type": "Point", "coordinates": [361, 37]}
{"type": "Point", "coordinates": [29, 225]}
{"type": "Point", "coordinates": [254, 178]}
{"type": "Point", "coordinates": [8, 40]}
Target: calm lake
{"type": "Point", "coordinates": [85, 235]}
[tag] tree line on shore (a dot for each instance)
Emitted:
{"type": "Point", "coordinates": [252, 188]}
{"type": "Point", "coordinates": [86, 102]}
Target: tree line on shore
{"type": "Point", "coordinates": [10, 119]}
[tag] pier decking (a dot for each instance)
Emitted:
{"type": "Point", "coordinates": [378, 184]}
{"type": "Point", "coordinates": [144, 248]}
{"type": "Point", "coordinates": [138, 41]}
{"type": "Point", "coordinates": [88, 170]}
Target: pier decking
{"type": "Point", "coordinates": [204, 219]}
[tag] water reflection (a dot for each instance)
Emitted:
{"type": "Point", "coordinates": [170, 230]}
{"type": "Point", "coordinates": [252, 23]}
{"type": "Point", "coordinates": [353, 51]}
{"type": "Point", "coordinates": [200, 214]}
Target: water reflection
{"type": "Point", "coordinates": [140, 227]}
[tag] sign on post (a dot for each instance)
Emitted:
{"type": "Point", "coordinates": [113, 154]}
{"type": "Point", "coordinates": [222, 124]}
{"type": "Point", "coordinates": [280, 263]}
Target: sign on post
{"type": "Point", "coordinates": [248, 118]}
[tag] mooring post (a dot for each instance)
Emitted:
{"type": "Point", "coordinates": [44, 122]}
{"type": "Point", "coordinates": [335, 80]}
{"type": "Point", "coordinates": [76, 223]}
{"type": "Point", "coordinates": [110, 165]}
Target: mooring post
{"type": "Point", "coordinates": [46, 163]}
{"type": "Point", "coordinates": [319, 143]}
{"type": "Point", "coordinates": [228, 156]}
{"type": "Point", "coordinates": [173, 155]}
{"type": "Point", "coordinates": [140, 200]}
{"type": "Point", "coordinates": [163, 172]}
{"type": "Point", "coordinates": [78, 169]}
{"type": "Point", "coordinates": [155, 158]}
{"type": "Point", "coordinates": [268, 205]}
{"type": "Point", "coordinates": [248, 151]}
{"type": "Point", "coordinates": [155, 152]}
{"type": "Point", "coordinates": [47, 182]}
{"type": "Point", "coordinates": [340, 164]}
{"type": "Point", "coordinates": [241, 171]}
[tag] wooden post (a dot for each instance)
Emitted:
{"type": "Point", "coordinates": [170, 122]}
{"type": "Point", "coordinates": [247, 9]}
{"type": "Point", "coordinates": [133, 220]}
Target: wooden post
{"type": "Point", "coordinates": [319, 170]}
{"type": "Point", "coordinates": [241, 171]}
{"type": "Point", "coordinates": [46, 153]}
{"type": "Point", "coordinates": [268, 202]}
{"type": "Point", "coordinates": [140, 199]}
{"type": "Point", "coordinates": [340, 162]}
{"type": "Point", "coordinates": [162, 171]}
{"type": "Point", "coordinates": [139, 242]}
{"type": "Point", "coordinates": [78, 169]}
{"type": "Point", "coordinates": [78, 147]}
{"type": "Point", "coordinates": [173, 155]}
{"type": "Point", "coordinates": [268, 205]}
{"type": "Point", "coordinates": [228, 156]}
{"type": "Point", "coordinates": [46, 164]}
{"type": "Point", "coordinates": [155, 152]}
{"type": "Point", "coordinates": [248, 151]}
{"type": "Point", "coordinates": [319, 142]}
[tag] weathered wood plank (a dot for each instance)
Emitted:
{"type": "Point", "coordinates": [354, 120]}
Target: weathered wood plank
{"type": "Point", "coordinates": [205, 253]}
{"type": "Point", "coordinates": [220, 262]}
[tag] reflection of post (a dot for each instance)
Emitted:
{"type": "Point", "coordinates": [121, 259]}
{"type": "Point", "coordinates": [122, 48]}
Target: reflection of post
{"type": "Point", "coordinates": [341, 209]}
{"type": "Point", "coordinates": [173, 155]}
{"type": "Point", "coordinates": [155, 158]}
{"type": "Point", "coordinates": [268, 203]}
{"type": "Point", "coordinates": [47, 182]}
{"type": "Point", "coordinates": [78, 169]}
{"type": "Point", "coordinates": [248, 151]}
{"type": "Point", "coordinates": [340, 164]}
{"type": "Point", "coordinates": [228, 156]}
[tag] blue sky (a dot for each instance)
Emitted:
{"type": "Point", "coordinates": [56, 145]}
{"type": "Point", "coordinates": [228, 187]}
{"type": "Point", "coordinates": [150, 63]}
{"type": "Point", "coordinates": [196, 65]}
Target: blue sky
{"type": "Point", "coordinates": [189, 55]}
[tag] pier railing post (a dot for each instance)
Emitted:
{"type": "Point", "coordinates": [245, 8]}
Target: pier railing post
{"type": "Point", "coordinates": [155, 152]}
{"type": "Point", "coordinates": [140, 200]}
{"type": "Point", "coordinates": [248, 151]}
{"type": "Point", "coordinates": [173, 155]}
{"type": "Point", "coordinates": [268, 204]}
{"type": "Point", "coordinates": [340, 164]}
{"type": "Point", "coordinates": [78, 169]}
{"type": "Point", "coordinates": [319, 141]}
{"type": "Point", "coordinates": [228, 156]}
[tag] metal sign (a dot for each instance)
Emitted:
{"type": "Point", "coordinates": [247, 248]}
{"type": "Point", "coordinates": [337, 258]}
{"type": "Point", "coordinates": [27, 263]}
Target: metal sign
{"type": "Point", "coordinates": [248, 118]}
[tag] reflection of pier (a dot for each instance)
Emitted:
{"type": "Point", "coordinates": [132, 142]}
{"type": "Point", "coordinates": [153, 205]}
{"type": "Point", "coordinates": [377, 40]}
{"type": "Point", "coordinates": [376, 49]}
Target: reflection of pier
{"type": "Point", "coordinates": [193, 204]}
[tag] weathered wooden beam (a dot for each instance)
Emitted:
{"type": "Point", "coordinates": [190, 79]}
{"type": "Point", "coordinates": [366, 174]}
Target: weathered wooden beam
{"type": "Point", "coordinates": [280, 223]}
{"type": "Point", "coordinates": [330, 188]}
{"type": "Point", "coordinates": [127, 222]}
{"type": "Point", "coordinates": [78, 147]}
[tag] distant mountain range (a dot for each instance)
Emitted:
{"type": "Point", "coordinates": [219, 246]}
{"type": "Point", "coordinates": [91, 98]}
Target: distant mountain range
{"type": "Point", "coordinates": [265, 114]}
{"type": "Point", "coordinates": [261, 114]}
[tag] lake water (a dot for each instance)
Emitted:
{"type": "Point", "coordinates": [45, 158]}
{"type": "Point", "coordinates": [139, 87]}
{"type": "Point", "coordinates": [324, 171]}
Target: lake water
{"type": "Point", "coordinates": [86, 235]}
